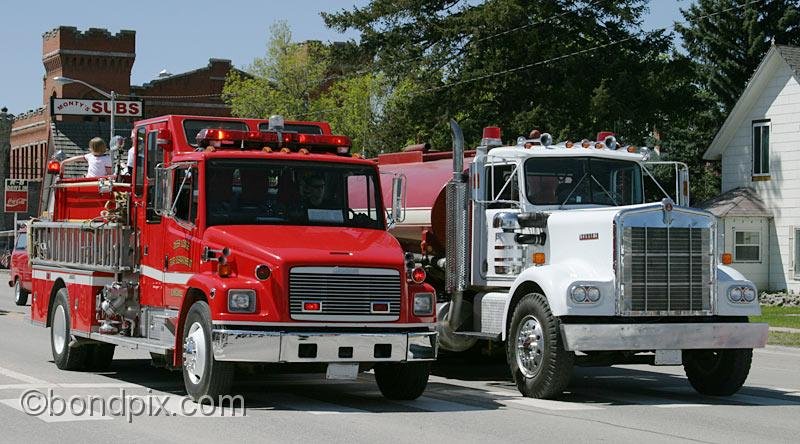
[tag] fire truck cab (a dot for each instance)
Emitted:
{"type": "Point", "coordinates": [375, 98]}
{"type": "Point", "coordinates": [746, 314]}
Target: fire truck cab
{"type": "Point", "coordinates": [554, 250]}
{"type": "Point", "coordinates": [233, 241]}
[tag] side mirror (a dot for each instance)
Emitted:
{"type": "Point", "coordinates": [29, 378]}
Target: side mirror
{"type": "Point", "coordinates": [683, 187]}
{"type": "Point", "coordinates": [398, 198]}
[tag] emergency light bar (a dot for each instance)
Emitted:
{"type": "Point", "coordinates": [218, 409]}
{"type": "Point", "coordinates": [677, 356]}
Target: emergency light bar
{"type": "Point", "coordinates": [233, 139]}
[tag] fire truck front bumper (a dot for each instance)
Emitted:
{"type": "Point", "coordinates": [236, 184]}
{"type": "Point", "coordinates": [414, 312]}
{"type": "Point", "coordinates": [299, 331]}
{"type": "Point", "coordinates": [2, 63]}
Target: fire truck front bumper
{"type": "Point", "coordinates": [281, 346]}
{"type": "Point", "coordinates": [644, 337]}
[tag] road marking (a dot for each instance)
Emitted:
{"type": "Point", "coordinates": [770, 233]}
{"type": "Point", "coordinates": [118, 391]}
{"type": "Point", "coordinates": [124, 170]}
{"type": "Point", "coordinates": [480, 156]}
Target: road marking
{"type": "Point", "coordinates": [67, 416]}
{"type": "Point", "coordinates": [21, 377]}
{"type": "Point", "coordinates": [549, 404]}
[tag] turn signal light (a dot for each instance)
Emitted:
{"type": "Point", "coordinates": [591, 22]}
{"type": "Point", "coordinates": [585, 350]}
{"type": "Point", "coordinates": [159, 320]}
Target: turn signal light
{"type": "Point", "coordinates": [224, 269]}
{"type": "Point", "coordinates": [727, 258]}
{"type": "Point", "coordinates": [538, 258]}
{"type": "Point", "coordinates": [263, 272]}
{"type": "Point", "coordinates": [569, 144]}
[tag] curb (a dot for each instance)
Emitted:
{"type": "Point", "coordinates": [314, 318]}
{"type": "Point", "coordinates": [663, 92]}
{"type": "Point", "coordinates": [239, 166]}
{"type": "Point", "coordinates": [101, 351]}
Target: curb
{"type": "Point", "coordinates": [785, 329]}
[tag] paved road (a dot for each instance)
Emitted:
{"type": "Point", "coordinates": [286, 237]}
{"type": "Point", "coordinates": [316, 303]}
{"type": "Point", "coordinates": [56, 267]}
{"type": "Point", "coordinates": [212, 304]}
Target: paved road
{"type": "Point", "coordinates": [465, 402]}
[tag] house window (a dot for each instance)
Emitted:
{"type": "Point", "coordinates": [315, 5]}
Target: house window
{"type": "Point", "coordinates": [761, 148]}
{"type": "Point", "coordinates": [747, 246]}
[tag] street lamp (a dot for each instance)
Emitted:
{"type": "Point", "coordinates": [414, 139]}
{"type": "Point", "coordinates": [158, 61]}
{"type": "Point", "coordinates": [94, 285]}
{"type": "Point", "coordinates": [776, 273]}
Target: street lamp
{"type": "Point", "coordinates": [109, 95]}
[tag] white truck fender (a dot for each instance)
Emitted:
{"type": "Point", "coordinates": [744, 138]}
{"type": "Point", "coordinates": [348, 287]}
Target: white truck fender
{"type": "Point", "coordinates": [555, 281]}
{"type": "Point", "coordinates": [728, 277]}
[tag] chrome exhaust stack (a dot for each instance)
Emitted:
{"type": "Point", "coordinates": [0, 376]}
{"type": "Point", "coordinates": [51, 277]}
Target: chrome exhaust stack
{"type": "Point", "coordinates": [457, 251]}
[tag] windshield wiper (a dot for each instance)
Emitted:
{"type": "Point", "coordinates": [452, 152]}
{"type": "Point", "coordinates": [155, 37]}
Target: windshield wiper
{"type": "Point", "coordinates": [572, 191]}
{"type": "Point", "coordinates": [605, 191]}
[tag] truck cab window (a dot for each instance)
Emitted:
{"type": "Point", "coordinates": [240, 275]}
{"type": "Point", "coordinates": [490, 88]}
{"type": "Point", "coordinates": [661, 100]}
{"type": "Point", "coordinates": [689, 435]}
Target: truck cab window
{"type": "Point", "coordinates": [185, 194]}
{"type": "Point", "coordinates": [503, 185]}
{"type": "Point", "coordinates": [583, 181]}
{"type": "Point", "coordinates": [153, 159]}
{"type": "Point", "coordinates": [139, 149]}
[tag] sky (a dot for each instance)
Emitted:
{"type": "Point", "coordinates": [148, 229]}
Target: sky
{"type": "Point", "coordinates": [177, 35]}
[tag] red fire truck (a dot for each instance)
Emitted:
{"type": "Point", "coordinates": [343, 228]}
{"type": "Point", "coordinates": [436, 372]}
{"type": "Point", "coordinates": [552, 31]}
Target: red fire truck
{"type": "Point", "coordinates": [233, 241]}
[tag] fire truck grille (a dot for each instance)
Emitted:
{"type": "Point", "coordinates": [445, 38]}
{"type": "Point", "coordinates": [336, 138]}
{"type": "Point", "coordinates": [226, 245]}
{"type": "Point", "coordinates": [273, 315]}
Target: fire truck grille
{"type": "Point", "coordinates": [666, 271]}
{"type": "Point", "coordinates": [344, 294]}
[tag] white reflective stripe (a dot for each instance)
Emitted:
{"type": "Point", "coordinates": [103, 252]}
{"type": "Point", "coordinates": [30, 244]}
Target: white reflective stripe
{"type": "Point", "coordinates": [166, 277]}
{"type": "Point", "coordinates": [73, 278]}
{"type": "Point", "coordinates": [417, 216]}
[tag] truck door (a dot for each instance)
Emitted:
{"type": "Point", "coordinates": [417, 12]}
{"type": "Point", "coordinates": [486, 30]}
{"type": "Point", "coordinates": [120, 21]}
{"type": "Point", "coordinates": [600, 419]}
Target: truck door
{"type": "Point", "coordinates": [182, 239]}
{"type": "Point", "coordinates": [151, 239]}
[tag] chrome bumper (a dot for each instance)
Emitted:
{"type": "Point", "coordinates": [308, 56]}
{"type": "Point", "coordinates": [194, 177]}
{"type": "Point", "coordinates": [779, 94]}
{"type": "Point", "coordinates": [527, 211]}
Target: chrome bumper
{"type": "Point", "coordinates": [597, 337]}
{"type": "Point", "coordinates": [273, 346]}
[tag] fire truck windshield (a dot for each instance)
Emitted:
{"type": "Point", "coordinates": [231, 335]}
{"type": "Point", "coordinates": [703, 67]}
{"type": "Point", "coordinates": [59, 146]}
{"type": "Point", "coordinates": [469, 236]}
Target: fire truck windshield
{"type": "Point", "coordinates": [258, 192]}
{"type": "Point", "coordinates": [582, 181]}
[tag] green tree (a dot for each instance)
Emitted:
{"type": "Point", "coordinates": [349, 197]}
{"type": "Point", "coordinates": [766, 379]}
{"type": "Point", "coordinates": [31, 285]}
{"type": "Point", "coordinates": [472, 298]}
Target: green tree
{"type": "Point", "coordinates": [286, 81]}
{"type": "Point", "coordinates": [727, 47]}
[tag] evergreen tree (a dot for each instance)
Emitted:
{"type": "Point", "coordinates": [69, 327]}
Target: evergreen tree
{"type": "Point", "coordinates": [727, 47]}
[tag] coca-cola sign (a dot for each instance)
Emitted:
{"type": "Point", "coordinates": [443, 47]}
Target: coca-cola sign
{"type": "Point", "coordinates": [84, 107]}
{"type": "Point", "coordinates": [16, 196]}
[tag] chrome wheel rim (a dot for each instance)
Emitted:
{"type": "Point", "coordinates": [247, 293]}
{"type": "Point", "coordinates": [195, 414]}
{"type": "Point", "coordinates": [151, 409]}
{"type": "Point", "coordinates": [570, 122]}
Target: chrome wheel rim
{"type": "Point", "coordinates": [59, 329]}
{"type": "Point", "coordinates": [17, 291]}
{"type": "Point", "coordinates": [530, 346]}
{"type": "Point", "coordinates": [194, 353]}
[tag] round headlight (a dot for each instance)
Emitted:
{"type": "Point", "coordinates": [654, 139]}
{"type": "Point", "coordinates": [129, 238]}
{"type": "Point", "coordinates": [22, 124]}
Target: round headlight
{"type": "Point", "coordinates": [593, 293]}
{"type": "Point", "coordinates": [749, 294]}
{"type": "Point", "coordinates": [579, 294]}
{"type": "Point", "coordinates": [735, 294]}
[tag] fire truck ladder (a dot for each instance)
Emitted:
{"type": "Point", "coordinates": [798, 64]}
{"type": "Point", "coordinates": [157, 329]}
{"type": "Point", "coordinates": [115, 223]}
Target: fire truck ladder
{"type": "Point", "coordinates": [82, 245]}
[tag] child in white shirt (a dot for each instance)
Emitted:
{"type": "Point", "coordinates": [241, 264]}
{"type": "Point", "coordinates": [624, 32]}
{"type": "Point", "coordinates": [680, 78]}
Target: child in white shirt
{"type": "Point", "coordinates": [98, 159]}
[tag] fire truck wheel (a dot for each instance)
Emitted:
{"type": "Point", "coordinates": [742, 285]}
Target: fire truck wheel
{"type": "Point", "coordinates": [99, 356]}
{"type": "Point", "coordinates": [65, 357]}
{"type": "Point", "coordinates": [717, 372]}
{"type": "Point", "coordinates": [404, 381]}
{"type": "Point", "coordinates": [205, 378]}
{"type": "Point", "coordinates": [535, 352]}
{"type": "Point", "coordinates": [20, 294]}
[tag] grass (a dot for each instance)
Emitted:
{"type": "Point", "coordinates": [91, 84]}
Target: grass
{"type": "Point", "coordinates": [786, 339]}
{"type": "Point", "coordinates": [779, 316]}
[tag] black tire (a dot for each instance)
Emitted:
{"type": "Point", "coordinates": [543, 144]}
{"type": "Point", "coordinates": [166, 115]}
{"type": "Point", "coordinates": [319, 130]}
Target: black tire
{"type": "Point", "coordinates": [99, 356]}
{"type": "Point", "coordinates": [550, 368]}
{"type": "Point", "coordinates": [20, 294]}
{"type": "Point", "coordinates": [717, 372]}
{"type": "Point", "coordinates": [65, 356]}
{"type": "Point", "coordinates": [216, 377]}
{"type": "Point", "coordinates": [402, 381]}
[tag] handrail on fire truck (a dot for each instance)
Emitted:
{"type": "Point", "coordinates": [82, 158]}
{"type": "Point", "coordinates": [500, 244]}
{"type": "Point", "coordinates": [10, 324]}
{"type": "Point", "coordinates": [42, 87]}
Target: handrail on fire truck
{"type": "Point", "coordinates": [81, 245]}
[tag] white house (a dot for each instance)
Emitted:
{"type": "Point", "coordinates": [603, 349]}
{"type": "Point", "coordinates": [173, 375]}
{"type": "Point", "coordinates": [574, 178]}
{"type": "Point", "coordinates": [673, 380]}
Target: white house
{"type": "Point", "coordinates": [759, 145]}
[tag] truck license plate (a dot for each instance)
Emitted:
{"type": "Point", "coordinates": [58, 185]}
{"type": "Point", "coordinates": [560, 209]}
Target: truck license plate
{"type": "Point", "coordinates": [342, 371]}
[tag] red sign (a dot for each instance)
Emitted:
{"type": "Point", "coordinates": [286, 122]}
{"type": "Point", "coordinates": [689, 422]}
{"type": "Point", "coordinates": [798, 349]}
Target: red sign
{"type": "Point", "coordinates": [16, 197]}
{"type": "Point", "coordinates": [84, 107]}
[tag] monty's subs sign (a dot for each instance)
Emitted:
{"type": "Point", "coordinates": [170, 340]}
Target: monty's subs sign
{"type": "Point", "coordinates": [90, 107]}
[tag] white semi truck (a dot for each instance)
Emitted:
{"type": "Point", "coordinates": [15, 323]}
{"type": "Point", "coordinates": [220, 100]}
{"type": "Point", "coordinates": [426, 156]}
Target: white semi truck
{"type": "Point", "coordinates": [554, 250]}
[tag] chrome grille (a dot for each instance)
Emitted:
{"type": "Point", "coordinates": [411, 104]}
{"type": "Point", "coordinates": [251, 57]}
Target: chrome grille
{"type": "Point", "coordinates": [666, 270]}
{"type": "Point", "coordinates": [345, 294]}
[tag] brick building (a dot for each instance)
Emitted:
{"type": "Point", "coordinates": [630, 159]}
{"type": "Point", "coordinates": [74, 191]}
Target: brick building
{"type": "Point", "coordinates": [104, 60]}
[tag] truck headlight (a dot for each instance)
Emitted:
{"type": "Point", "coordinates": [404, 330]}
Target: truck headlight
{"type": "Point", "coordinates": [578, 294]}
{"type": "Point", "coordinates": [735, 294]}
{"type": "Point", "coordinates": [749, 294]}
{"type": "Point", "coordinates": [584, 294]}
{"type": "Point", "coordinates": [241, 301]}
{"type": "Point", "coordinates": [423, 304]}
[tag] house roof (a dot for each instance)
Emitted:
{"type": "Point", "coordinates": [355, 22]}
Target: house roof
{"type": "Point", "coordinates": [775, 57]}
{"type": "Point", "coordinates": [737, 202]}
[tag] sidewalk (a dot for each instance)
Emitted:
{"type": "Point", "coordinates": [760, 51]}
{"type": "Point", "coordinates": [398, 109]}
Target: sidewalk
{"type": "Point", "coordinates": [785, 329]}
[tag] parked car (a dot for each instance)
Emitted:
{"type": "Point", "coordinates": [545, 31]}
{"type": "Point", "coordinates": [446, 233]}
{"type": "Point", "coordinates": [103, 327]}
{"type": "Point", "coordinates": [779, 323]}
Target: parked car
{"type": "Point", "coordinates": [20, 274]}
